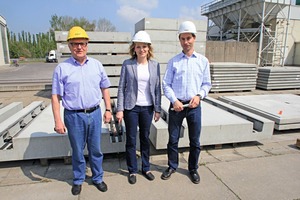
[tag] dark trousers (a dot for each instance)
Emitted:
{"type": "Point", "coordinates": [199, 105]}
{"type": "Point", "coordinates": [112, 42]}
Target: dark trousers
{"type": "Point", "coordinates": [139, 116]}
{"type": "Point", "coordinates": [193, 117]}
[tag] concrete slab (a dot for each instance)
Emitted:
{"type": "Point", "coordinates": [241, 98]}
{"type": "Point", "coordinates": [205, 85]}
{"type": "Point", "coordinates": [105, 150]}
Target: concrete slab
{"type": "Point", "coordinates": [9, 110]}
{"type": "Point", "coordinates": [283, 109]}
{"type": "Point", "coordinates": [38, 140]}
{"type": "Point", "coordinates": [227, 128]}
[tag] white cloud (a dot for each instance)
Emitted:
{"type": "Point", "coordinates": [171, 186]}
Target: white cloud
{"type": "Point", "coordinates": [140, 4]}
{"type": "Point", "coordinates": [190, 13]}
{"type": "Point", "coordinates": [131, 14]}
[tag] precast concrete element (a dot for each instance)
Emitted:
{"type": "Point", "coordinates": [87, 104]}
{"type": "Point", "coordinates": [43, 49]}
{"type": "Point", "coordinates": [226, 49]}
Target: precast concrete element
{"type": "Point", "coordinates": [282, 109]}
{"type": "Point", "coordinates": [9, 110]}
{"type": "Point", "coordinates": [39, 140]}
{"type": "Point", "coordinates": [262, 127]}
{"type": "Point", "coordinates": [16, 122]}
{"type": "Point", "coordinates": [278, 77]}
{"type": "Point", "coordinates": [219, 126]}
{"type": "Point", "coordinates": [233, 76]}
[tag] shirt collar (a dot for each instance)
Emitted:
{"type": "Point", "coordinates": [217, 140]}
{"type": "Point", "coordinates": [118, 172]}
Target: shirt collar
{"type": "Point", "coordinates": [76, 62]}
{"type": "Point", "coordinates": [193, 55]}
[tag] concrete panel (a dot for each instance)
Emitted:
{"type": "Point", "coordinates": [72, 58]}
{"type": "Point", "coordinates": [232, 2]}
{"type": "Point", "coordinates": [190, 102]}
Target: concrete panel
{"type": "Point", "coordinates": [95, 36]}
{"type": "Point", "coordinates": [278, 77]}
{"type": "Point", "coordinates": [231, 126]}
{"type": "Point", "coordinates": [9, 110]}
{"type": "Point", "coordinates": [233, 76]}
{"type": "Point", "coordinates": [172, 35]}
{"type": "Point", "coordinates": [283, 109]}
{"type": "Point", "coordinates": [104, 59]}
{"type": "Point", "coordinates": [38, 140]}
{"type": "Point", "coordinates": [167, 24]}
{"type": "Point", "coordinates": [12, 125]}
{"type": "Point", "coordinates": [99, 48]}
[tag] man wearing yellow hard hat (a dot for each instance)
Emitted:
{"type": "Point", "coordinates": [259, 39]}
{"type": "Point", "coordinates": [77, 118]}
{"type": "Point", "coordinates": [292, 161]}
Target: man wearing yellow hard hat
{"type": "Point", "coordinates": [81, 82]}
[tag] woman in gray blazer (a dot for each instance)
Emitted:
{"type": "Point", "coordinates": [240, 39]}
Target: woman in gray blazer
{"type": "Point", "coordinates": [139, 98]}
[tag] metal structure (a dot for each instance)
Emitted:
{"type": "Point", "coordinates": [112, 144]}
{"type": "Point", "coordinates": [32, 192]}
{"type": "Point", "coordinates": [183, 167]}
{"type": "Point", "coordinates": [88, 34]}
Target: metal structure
{"type": "Point", "coordinates": [251, 21]}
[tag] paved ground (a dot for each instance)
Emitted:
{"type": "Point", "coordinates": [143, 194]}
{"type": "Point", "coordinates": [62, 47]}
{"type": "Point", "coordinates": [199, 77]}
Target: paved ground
{"type": "Point", "coordinates": [267, 169]}
{"type": "Point", "coordinates": [259, 170]}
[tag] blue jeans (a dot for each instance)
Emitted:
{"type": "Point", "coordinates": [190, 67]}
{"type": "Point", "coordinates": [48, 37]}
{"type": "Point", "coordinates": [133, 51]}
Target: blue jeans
{"type": "Point", "coordinates": [139, 116]}
{"type": "Point", "coordinates": [85, 129]}
{"type": "Point", "coordinates": [193, 117]}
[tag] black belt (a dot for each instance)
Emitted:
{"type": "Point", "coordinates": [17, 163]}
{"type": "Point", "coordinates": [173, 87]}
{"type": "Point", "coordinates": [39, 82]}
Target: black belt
{"type": "Point", "coordinates": [184, 102]}
{"type": "Point", "coordinates": [88, 110]}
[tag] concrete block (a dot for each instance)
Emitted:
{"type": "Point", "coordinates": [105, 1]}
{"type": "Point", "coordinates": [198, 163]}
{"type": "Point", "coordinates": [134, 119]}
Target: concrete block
{"type": "Point", "coordinates": [9, 110]}
{"type": "Point", "coordinates": [167, 24]}
{"type": "Point", "coordinates": [232, 125]}
{"type": "Point", "coordinates": [12, 125]}
{"type": "Point", "coordinates": [96, 36]}
{"type": "Point", "coordinates": [282, 109]}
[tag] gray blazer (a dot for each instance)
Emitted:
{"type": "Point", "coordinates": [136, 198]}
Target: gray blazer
{"type": "Point", "coordinates": [128, 85]}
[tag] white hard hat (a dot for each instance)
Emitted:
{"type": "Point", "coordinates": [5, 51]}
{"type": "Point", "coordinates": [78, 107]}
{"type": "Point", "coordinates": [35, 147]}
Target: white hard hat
{"type": "Point", "coordinates": [141, 36]}
{"type": "Point", "coordinates": [187, 27]}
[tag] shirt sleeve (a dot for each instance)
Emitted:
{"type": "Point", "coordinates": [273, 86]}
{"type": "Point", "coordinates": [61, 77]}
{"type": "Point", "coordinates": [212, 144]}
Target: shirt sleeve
{"type": "Point", "coordinates": [167, 83]}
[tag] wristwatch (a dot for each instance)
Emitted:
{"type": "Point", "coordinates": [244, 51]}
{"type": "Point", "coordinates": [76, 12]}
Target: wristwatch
{"type": "Point", "coordinates": [108, 110]}
{"type": "Point", "coordinates": [199, 95]}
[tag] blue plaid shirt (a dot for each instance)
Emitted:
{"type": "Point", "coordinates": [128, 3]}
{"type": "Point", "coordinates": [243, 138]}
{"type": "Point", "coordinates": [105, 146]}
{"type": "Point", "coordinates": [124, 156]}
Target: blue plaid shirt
{"type": "Point", "coordinates": [79, 86]}
{"type": "Point", "coordinates": [186, 77]}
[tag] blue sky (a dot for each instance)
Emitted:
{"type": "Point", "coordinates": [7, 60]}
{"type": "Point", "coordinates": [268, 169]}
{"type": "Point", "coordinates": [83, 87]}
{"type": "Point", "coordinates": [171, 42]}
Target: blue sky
{"type": "Point", "coordinates": [34, 15]}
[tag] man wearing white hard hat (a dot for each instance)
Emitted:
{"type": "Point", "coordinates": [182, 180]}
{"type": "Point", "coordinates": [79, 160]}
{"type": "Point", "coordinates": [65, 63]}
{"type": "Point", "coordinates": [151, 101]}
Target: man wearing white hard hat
{"type": "Point", "coordinates": [139, 100]}
{"type": "Point", "coordinates": [186, 83]}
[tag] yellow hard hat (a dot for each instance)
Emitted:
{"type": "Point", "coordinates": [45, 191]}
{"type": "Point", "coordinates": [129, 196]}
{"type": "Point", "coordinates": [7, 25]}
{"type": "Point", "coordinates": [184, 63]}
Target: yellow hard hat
{"type": "Point", "coordinates": [77, 32]}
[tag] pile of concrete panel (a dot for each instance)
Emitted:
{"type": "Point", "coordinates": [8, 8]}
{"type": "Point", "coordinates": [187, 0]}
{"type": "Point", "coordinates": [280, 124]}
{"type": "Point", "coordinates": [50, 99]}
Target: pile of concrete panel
{"type": "Point", "coordinates": [110, 48]}
{"type": "Point", "coordinates": [283, 109]}
{"type": "Point", "coordinates": [232, 76]}
{"type": "Point", "coordinates": [278, 78]}
{"type": "Point", "coordinates": [164, 37]}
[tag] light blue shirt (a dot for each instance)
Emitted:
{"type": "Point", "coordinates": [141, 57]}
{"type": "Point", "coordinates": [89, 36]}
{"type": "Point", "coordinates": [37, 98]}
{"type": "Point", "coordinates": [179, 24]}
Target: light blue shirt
{"type": "Point", "coordinates": [79, 86]}
{"type": "Point", "coordinates": [186, 77]}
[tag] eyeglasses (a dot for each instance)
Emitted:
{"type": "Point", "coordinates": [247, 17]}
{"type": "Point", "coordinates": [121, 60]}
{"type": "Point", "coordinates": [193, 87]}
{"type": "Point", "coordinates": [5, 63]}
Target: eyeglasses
{"type": "Point", "coordinates": [77, 44]}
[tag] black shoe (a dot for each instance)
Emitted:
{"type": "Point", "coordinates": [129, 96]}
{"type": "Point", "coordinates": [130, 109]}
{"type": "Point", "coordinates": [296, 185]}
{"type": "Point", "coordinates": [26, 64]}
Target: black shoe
{"type": "Point", "coordinates": [148, 175]}
{"type": "Point", "coordinates": [195, 176]}
{"type": "Point", "coordinates": [167, 174]}
{"type": "Point", "coordinates": [132, 178]}
{"type": "Point", "coordinates": [101, 186]}
{"type": "Point", "coordinates": [76, 189]}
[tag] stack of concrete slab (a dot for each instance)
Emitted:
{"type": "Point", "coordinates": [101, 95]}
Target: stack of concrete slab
{"type": "Point", "coordinates": [283, 109]}
{"type": "Point", "coordinates": [278, 78]}
{"type": "Point", "coordinates": [164, 37]}
{"type": "Point", "coordinates": [110, 48]}
{"type": "Point", "coordinates": [232, 76]}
